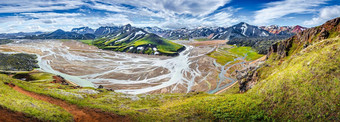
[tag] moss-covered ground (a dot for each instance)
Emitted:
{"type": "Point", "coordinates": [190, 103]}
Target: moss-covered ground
{"type": "Point", "coordinates": [228, 53]}
{"type": "Point", "coordinates": [18, 102]}
{"type": "Point", "coordinates": [163, 46]}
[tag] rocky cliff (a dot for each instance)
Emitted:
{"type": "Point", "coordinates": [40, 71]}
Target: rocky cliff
{"type": "Point", "coordinates": [302, 40]}
{"type": "Point", "coordinates": [278, 52]}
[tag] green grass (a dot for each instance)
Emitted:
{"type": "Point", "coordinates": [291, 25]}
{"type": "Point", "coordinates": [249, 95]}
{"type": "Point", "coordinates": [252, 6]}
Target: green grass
{"type": "Point", "coordinates": [242, 51]}
{"type": "Point", "coordinates": [306, 85]}
{"type": "Point", "coordinates": [164, 46]}
{"type": "Point", "coordinates": [89, 42]}
{"type": "Point", "coordinates": [202, 39]}
{"type": "Point", "coordinates": [16, 101]}
{"type": "Point", "coordinates": [226, 54]}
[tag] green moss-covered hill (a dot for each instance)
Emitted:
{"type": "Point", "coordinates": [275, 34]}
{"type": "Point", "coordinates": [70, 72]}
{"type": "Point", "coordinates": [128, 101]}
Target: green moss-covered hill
{"type": "Point", "coordinates": [136, 40]}
{"type": "Point", "coordinates": [18, 62]}
{"type": "Point", "coordinates": [5, 41]}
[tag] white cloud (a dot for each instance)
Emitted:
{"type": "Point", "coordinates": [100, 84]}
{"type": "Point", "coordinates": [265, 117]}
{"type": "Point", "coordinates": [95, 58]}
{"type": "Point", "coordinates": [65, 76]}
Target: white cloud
{"type": "Point", "coordinates": [51, 14]}
{"type": "Point", "coordinates": [278, 9]}
{"type": "Point", "coordinates": [194, 7]}
{"type": "Point", "coordinates": [51, 22]}
{"type": "Point", "coordinates": [15, 6]}
{"type": "Point", "coordinates": [163, 13]}
{"type": "Point", "coordinates": [325, 14]}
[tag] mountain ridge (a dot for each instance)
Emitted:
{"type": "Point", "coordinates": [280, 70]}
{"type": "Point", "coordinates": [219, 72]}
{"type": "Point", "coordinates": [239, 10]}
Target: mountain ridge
{"type": "Point", "coordinates": [136, 40]}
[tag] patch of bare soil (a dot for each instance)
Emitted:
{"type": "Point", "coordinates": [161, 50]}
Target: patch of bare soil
{"type": "Point", "coordinates": [11, 116]}
{"type": "Point", "coordinates": [79, 114]}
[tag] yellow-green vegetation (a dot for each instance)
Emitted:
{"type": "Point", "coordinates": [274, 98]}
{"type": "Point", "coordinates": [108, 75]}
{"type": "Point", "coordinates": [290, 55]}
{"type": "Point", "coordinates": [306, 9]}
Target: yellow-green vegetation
{"type": "Point", "coordinates": [202, 39]}
{"type": "Point", "coordinates": [89, 42]}
{"type": "Point", "coordinates": [35, 76]}
{"type": "Point", "coordinates": [242, 51]}
{"type": "Point", "coordinates": [18, 102]}
{"type": "Point", "coordinates": [138, 107]}
{"type": "Point", "coordinates": [305, 85]}
{"type": "Point", "coordinates": [128, 43]}
{"type": "Point", "coordinates": [229, 53]}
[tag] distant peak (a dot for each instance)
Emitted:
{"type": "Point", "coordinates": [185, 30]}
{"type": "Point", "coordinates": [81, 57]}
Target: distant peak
{"type": "Point", "coordinates": [59, 30]}
{"type": "Point", "coordinates": [243, 23]}
{"type": "Point", "coordinates": [127, 25]}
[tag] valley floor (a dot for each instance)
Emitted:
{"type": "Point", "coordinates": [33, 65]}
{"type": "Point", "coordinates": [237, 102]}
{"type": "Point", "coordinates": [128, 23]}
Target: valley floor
{"type": "Point", "coordinates": [301, 87]}
{"type": "Point", "coordinates": [89, 66]}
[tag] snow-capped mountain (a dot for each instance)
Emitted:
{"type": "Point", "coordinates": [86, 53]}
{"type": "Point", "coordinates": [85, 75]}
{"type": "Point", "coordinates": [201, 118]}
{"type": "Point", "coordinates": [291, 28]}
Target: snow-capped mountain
{"type": "Point", "coordinates": [83, 30]}
{"type": "Point", "coordinates": [106, 30]}
{"type": "Point", "coordinates": [136, 40]}
{"type": "Point", "coordinates": [239, 30]}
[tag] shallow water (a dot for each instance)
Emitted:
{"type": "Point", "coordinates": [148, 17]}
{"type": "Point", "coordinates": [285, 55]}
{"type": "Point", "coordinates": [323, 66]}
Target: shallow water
{"type": "Point", "coordinates": [88, 66]}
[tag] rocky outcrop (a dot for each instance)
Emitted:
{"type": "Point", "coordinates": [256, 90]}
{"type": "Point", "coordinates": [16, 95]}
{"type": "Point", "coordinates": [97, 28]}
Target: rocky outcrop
{"type": "Point", "coordinates": [248, 76]}
{"type": "Point", "coordinates": [59, 79]}
{"type": "Point", "coordinates": [296, 43]}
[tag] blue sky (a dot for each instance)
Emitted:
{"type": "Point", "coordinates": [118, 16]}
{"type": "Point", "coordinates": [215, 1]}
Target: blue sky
{"type": "Point", "coordinates": [49, 15]}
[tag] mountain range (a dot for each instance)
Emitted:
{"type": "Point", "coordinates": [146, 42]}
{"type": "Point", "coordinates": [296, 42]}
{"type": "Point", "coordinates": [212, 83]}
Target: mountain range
{"type": "Point", "coordinates": [219, 33]}
{"type": "Point", "coordinates": [135, 40]}
{"type": "Point", "coordinates": [60, 34]}
{"type": "Point", "coordinates": [281, 30]}
{"type": "Point", "coordinates": [226, 33]}
{"type": "Point", "coordinates": [18, 35]}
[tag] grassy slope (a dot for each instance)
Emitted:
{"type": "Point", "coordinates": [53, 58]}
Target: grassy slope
{"type": "Point", "coordinates": [202, 39]}
{"type": "Point", "coordinates": [164, 46]}
{"type": "Point", "coordinates": [304, 87]}
{"type": "Point", "coordinates": [89, 42]}
{"type": "Point", "coordinates": [16, 101]}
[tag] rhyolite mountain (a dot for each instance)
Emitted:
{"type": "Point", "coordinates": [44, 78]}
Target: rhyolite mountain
{"type": "Point", "coordinates": [224, 33]}
{"type": "Point", "coordinates": [60, 34]}
{"type": "Point", "coordinates": [282, 30]}
{"type": "Point", "coordinates": [262, 43]}
{"type": "Point", "coordinates": [83, 30]}
{"type": "Point", "coordinates": [136, 40]}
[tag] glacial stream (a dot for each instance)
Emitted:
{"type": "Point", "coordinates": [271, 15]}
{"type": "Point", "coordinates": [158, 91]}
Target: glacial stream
{"type": "Point", "coordinates": [89, 67]}
{"type": "Point", "coordinates": [222, 77]}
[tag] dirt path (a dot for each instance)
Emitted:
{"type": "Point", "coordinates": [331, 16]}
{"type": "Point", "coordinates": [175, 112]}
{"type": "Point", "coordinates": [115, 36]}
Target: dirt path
{"type": "Point", "coordinates": [10, 116]}
{"type": "Point", "coordinates": [225, 88]}
{"type": "Point", "coordinates": [79, 114]}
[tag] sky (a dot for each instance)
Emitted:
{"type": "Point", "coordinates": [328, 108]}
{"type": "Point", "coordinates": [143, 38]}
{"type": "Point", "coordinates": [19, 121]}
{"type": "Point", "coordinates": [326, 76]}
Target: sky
{"type": "Point", "coordinates": [49, 15]}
